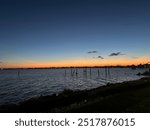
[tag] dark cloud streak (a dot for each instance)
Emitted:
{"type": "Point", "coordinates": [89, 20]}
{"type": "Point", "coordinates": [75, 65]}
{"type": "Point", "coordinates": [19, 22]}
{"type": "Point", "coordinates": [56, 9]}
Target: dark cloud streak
{"type": "Point", "coordinates": [116, 54]}
{"type": "Point", "coordinates": [91, 52]}
{"type": "Point", "coordinates": [100, 57]}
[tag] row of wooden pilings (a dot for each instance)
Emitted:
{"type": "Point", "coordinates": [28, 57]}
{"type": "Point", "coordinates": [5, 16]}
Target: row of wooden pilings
{"type": "Point", "coordinates": [86, 71]}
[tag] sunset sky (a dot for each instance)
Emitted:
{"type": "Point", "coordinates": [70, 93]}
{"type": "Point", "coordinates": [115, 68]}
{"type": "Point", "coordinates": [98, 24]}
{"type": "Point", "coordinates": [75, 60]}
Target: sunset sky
{"type": "Point", "coordinates": [46, 33]}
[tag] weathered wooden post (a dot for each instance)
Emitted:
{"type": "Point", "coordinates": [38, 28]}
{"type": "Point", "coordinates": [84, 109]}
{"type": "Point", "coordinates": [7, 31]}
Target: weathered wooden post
{"type": "Point", "coordinates": [65, 72]}
{"type": "Point", "coordinates": [76, 72]}
{"type": "Point", "coordinates": [71, 71]}
{"type": "Point", "coordinates": [98, 72]}
{"type": "Point", "coordinates": [90, 71]}
{"type": "Point", "coordinates": [106, 72]}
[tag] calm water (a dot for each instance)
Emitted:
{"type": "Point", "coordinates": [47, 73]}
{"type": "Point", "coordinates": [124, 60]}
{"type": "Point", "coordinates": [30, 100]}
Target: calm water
{"type": "Point", "coordinates": [35, 82]}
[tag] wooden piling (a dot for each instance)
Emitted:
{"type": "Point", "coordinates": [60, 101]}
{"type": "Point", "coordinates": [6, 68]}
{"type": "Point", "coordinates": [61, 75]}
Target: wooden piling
{"type": "Point", "coordinates": [109, 71]}
{"type": "Point", "coordinates": [71, 71]}
{"type": "Point", "coordinates": [65, 72]}
{"type": "Point", "coordinates": [106, 72]}
{"type": "Point", "coordinates": [76, 72]}
{"type": "Point", "coordinates": [90, 71]}
{"type": "Point", "coordinates": [98, 72]}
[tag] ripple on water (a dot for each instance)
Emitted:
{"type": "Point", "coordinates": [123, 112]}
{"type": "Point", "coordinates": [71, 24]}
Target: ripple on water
{"type": "Point", "coordinates": [32, 83]}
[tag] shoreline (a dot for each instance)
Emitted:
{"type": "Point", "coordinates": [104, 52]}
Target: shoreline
{"type": "Point", "coordinates": [129, 96]}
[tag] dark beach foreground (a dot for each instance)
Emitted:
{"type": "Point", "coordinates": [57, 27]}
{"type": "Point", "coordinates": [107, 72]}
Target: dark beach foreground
{"type": "Point", "coordinates": [126, 97]}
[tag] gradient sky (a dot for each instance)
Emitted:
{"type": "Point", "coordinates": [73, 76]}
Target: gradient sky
{"type": "Point", "coordinates": [43, 33]}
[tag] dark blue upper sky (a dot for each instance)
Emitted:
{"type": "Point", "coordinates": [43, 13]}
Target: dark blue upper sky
{"type": "Point", "coordinates": [57, 30]}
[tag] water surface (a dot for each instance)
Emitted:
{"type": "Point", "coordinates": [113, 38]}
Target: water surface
{"type": "Point", "coordinates": [19, 85]}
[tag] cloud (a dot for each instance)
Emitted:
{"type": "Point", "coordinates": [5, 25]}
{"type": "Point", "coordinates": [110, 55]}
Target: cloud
{"type": "Point", "coordinates": [1, 62]}
{"type": "Point", "coordinates": [100, 57]}
{"type": "Point", "coordinates": [90, 52]}
{"type": "Point", "coordinates": [116, 54]}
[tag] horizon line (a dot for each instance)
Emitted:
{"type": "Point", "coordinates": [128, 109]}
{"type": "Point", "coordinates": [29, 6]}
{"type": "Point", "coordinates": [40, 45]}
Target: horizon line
{"type": "Point", "coordinates": [53, 67]}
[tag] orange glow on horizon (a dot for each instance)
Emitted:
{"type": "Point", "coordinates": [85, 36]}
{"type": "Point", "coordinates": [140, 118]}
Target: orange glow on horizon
{"type": "Point", "coordinates": [79, 63]}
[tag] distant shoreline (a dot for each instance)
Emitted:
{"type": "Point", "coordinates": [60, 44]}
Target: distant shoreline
{"type": "Point", "coordinates": [66, 67]}
{"type": "Point", "coordinates": [118, 97]}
